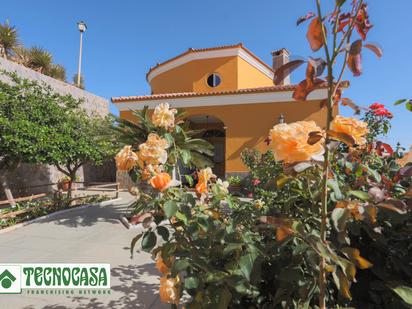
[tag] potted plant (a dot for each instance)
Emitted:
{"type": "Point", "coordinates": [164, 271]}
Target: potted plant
{"type": "Point", "coordinates": [234, 184]}
{"type": "Point", "coordinates": [64, 182]}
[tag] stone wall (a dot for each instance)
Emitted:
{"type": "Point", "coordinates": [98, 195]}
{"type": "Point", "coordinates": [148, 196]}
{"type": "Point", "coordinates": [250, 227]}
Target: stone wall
{"type": "Point", "coordinates": [92, 103]}
{"type": "Point", "coordinates": [30, 179]}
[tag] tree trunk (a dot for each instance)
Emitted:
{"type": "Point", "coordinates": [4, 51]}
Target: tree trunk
{"type": "Point", "coordinates": [72, 176]}
{"type": "Point", "coordinates": [70, 189]}
{"type": "Point", "coordinates": [7, 191]}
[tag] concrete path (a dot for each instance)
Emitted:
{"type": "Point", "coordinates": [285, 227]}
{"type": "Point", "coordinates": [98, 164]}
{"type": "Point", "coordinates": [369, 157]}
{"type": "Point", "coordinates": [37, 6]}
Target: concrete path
{"type": "Point", "coordinates": [90, 235]}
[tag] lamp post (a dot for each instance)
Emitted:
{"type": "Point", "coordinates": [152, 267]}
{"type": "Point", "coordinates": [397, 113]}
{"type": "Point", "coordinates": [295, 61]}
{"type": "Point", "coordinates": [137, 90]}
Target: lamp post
{"type": "Point", "coordinates": [82, 28]}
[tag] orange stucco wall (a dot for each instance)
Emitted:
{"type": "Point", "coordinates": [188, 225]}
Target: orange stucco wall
{"type": "Point", "coordinates": [247, 125]}
{"type": "Point", "coordinates": [235, 74]}
{"type": "Point", "coordinates": [250, 77]}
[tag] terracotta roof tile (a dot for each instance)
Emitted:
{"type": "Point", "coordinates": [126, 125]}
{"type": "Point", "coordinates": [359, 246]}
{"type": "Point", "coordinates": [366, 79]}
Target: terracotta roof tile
{"type": "Point", "coordinates": [200, 94]}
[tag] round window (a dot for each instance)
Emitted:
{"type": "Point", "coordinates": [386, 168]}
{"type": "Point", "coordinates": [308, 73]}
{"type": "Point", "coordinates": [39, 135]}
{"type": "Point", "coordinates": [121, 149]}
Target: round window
{"type": "Point", "coordinates": [213, 80]}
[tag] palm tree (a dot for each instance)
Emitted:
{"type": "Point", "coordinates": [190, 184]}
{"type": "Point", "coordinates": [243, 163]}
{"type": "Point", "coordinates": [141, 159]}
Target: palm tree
{"type": "Point", "coordinates": [194, 152]}
{"type": "Point", "coordinates": [9, 39]}
{"type": "Point", "coordinates": [81, 86]}
{"type": "Point", "coordinates": [40, 60]}
{"type": "Point", "coordinates": [57, 71]}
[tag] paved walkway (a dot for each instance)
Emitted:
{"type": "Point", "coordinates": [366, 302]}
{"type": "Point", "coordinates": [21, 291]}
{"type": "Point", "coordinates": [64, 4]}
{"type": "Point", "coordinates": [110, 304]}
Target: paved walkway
{"type": "Point", "coordinates": [90, 235]}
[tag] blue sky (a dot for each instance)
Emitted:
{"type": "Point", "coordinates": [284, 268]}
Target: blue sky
{"type": "Point", "coordinates": [125, 38]}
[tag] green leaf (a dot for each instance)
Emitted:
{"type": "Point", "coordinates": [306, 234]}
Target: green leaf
{"type": "Point", "coordinates": [164, 232]}
{"type": "Point", "coordinates": [191, 283]}
{"type": "Point", "coordinates": [404, 292]}
{"type": "Point", "coordinates": [180, 265]}
{"type": "Point", "coordinates": [360, 194]}
{"type": "Point", "coordinates": [189, 180]}
{"type": "Point", "coordinates": [373, 173]}
{"type": "Point", "coordinates": [185, 155]}
{"type": "Point", "coordinates": [149, 241]}
{"type": "Point", "coordinates": [169, 138]}
{"type": "Point", "coordinates": [400, 101]}
{"type": "Point", "coordinates": [133, 244]}
{"type": "Point", "coordinates": [339, 218]}
{"type": "Point", "coordinates": [170, 208]}
{"type": "Point", "coordinates": [181, 216]}
{"type": "Point", "coordinates": [247, 261]}
{"type": "Point", "coordinates": [333, 184]}
{"type": "Point", "coordinates": [409, 106]}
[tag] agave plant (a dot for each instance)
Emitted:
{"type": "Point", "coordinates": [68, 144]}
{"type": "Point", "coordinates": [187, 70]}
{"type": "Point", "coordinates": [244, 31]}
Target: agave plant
{"type": "Point", "coordinates": [9, 39]}
{"type": "Point", "coordinates": [57, 71]}
{"type": "Point", "coordinates": [40, 59]}
{"type": "Point", "coordinates": [21, 55]}
{"type": "Point", "coordinates": [192, 151]}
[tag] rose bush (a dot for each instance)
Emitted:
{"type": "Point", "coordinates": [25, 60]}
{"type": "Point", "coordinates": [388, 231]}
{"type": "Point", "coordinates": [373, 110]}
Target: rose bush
{"type": "Point", "coordinates": [215, 250]}
{"type": "Point", "coordinates": [329, 221]}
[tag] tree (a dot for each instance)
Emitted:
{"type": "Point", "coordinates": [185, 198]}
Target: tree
{"type": "Point", "coordinates": [9, 39]}
{"type": "Point", "coordinates": [29, 112]}
{"type": "Point", "coordinates": [78, 140]}
{"type": "Point", "coordinates": [40, 126]}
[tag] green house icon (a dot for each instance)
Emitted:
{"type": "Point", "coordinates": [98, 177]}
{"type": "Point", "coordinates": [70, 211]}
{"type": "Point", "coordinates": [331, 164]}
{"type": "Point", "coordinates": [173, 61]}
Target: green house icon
{"type": "Point", "coordinates": [6, 279]}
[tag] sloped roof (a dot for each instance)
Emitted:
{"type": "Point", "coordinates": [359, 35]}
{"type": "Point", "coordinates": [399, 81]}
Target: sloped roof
{"type": "Point", "coordinates": [202, 50]}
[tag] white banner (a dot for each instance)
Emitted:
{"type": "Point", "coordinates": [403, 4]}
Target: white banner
{"type": "Point", "coordinates": [15, 277]}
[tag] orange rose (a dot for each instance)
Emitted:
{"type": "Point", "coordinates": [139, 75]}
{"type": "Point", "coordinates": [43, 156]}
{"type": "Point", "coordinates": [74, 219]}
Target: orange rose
{"type": "Point", "coordinates": [205, 174]}
{"type": "Point", "coordinates": [153, 151]}
{"type": "Point", "coordinates": [201, 187]}
{"type": "Point", "coordinates": [161, 181]}
{"type": "Point", "coordinates": [168, 290]}
{"type": "Point", "coordinates": [126, 159]}
{"type": "Point", "coordinates": [163, 116]}
{"type": "Point", "coordinates": [351, 126]}
{"type": "Point", "coordinates": [290, 141]}
{"type": "Point", "coordinates": [161, 266]}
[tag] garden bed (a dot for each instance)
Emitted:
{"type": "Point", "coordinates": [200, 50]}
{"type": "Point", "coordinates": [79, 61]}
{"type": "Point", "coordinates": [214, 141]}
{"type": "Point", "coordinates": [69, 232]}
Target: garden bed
{"type": "Point", "coordinates": [26, 211]}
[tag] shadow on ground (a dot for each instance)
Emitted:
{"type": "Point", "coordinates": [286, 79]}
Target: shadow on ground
{"type": "Point", "coordinates": [133, 290]}
{"type": "Point", "coordinates": [90, 216]}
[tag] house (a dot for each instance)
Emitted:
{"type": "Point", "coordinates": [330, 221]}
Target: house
{"type": "Point", "coordinates": [229, 92]}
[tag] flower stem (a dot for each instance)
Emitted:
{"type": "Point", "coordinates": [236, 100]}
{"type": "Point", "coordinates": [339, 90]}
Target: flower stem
{"type": "Point", "coordinates": [325, 170]}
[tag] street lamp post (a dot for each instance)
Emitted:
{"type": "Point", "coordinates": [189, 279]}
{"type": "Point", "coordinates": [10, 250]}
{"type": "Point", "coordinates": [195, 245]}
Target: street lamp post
{"type": "Point", "coordinates": [82, 28]}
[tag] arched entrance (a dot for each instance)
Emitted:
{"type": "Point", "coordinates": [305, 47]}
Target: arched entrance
{"type": "Point", "coordinates": [213, 130]}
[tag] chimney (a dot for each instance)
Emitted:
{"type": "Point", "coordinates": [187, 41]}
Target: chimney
{"type": "Point", "coordinates": [280, 57]}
